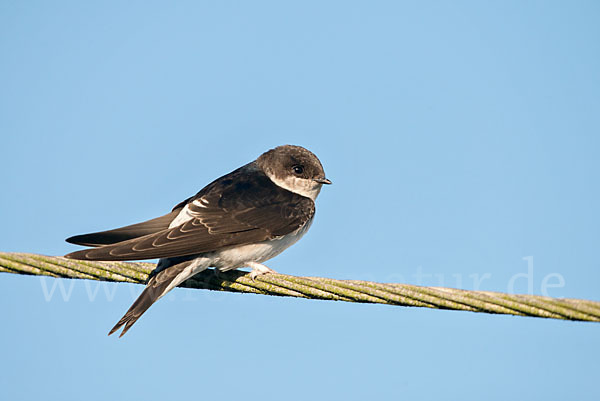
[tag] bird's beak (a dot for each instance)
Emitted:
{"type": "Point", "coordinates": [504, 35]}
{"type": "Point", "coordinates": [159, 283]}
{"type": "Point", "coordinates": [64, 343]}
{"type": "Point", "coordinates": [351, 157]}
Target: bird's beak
{"type": "Point", "coordinates": [323, 181]}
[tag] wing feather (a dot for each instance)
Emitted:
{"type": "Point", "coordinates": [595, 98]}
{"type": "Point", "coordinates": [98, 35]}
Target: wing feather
{"type": "Point", "coordinates": [124, 233]}
{"type": "Point", "coordinates": [240, 208]}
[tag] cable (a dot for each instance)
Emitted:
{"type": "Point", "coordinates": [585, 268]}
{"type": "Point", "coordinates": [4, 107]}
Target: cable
{"type": "Point", "coordinates": [315, 288]}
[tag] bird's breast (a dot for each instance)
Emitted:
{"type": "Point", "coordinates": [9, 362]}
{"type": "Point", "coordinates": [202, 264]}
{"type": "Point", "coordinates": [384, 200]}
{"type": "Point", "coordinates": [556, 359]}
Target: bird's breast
{"type": "Point", "coordinates": [239, 256]}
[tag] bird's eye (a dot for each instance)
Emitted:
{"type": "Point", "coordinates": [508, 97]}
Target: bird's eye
{"type": "Point", "coordinates": [298, 169]}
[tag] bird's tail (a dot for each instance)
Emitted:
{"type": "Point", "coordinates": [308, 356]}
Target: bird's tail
{"type": "Point", "coordinates": [157, 287]}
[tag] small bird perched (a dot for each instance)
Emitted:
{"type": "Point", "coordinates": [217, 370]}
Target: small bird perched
{"type": "Point", "coordinates": [239, 220]}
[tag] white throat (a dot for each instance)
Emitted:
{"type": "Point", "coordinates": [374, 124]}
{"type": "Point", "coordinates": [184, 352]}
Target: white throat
{"type": "Point", "coordinates": [300, 186]}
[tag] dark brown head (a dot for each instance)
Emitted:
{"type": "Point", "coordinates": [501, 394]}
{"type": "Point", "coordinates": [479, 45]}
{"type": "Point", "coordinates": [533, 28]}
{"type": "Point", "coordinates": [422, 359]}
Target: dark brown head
{"type": "Point", "coordinates": [295, 169]}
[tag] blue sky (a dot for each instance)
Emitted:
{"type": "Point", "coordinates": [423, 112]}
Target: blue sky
{"type": "Point", "coordinates": [462, 139]}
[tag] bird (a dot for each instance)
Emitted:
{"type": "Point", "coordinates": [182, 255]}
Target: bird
{"type": "Point", "coordinates": [241, 219]}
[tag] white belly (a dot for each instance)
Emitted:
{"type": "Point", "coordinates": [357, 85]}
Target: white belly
{"type": "Point", "coordinates": [239, 256]}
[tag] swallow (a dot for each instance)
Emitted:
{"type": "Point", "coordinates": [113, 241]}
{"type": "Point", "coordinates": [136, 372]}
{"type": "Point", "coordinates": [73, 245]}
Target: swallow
{"type": "Point", "coordinates": [241, 219]}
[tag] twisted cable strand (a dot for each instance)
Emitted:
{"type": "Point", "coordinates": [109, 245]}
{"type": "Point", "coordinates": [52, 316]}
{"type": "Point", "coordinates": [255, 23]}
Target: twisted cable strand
{"type": "Point", "coordinates": [315, 288]}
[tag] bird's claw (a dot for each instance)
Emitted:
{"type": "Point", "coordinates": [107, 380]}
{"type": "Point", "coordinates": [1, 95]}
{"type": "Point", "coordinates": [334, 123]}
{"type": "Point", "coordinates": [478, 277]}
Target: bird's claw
{"type": "Point", "coordinates": [259, 270]}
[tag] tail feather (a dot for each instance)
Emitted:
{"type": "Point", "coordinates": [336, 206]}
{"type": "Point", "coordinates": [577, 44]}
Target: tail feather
{"type": "Point", "coordinates": [157, 287]}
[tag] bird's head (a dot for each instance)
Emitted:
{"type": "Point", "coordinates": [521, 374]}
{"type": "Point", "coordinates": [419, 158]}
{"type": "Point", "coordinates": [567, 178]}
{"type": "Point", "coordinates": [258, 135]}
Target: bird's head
{"type": "Point", "coordinates": [294, 168]}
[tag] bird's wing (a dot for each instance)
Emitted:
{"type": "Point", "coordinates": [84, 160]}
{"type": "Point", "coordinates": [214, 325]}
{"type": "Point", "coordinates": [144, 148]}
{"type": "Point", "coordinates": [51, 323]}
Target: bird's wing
{"type": "Point", "coordinates": [239, 208]}
{"type": "Point", "coordinates": [125, 233]}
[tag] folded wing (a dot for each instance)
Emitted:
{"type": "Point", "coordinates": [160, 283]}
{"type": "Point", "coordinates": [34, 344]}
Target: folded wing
{"type": "Point", "coordinates": [125, 233]}
{"type": "Point", "coordinates": [234, 210]}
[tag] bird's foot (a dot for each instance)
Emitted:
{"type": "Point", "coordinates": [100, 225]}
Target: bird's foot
{"type": "Point", "coordinates": [259, 270]}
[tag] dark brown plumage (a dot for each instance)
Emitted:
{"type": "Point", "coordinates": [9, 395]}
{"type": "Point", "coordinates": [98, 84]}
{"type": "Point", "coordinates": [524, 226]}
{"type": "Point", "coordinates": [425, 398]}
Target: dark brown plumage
{"type": "Point", "coordinates": [240, 219]}
{"type": "Point", "coordinates": [154, 289]}
{"type": "Point", "coordinates": [242, 208]}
